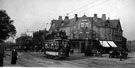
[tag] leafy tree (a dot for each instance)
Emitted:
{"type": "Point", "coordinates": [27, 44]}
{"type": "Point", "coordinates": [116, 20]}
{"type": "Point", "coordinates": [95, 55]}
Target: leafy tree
{"type": "Point", "coordinates": [39, 37]}
{"type": "Point", "coordinates": [7, 29]}
{"type": "Point", "coordinates": [24, 41]}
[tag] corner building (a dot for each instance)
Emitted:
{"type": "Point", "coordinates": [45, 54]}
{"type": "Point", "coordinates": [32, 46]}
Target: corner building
{"type": "Point", "coordinates": [83, 31]}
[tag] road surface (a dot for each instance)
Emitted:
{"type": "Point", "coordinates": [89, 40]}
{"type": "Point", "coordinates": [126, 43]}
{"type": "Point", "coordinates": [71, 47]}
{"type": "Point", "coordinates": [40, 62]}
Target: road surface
{"type": "Point", "coordinates": [38, 59]}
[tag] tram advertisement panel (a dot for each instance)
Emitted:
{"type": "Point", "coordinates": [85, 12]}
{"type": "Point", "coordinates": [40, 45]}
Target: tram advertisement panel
{"type": "Point", "coordinates": [56, 47]}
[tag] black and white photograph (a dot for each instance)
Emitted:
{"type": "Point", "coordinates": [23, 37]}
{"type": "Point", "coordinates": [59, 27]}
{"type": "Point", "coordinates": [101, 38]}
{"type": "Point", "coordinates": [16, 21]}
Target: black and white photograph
{"type": "Point", "coordinates": [67, 33]}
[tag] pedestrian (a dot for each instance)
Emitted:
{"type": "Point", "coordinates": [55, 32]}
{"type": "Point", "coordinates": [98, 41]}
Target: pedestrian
{"type": "Point", "coordinates": [121, 55]}
{"type": "Point", "coordinates": [68, 47]}
{"type": "Point", "coordinates": [1, 55]}
{"type": "Point", "coordinates": [14, 56]}
{"type": "Point", "coordinates": [110, 53]}
{"type": "Point", "coordinates": [126, 54]}
{"type": "Point", "coordinates": [71, 51]}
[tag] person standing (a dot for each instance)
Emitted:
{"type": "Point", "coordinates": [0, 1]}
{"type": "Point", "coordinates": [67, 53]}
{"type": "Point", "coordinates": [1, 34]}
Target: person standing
{"type": "Point", "coordinates": [67, 49]}
{"type": "Point", "coordinates": [121, 55]}
{"type": "Point", "coordinates": [14, 56]}
{"type": "Point", "coordinates": [110, 53]}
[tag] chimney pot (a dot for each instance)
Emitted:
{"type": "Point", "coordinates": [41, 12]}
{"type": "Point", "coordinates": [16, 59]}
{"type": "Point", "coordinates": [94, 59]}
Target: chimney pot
{"type": "Point", "coordinates": [95, 18]}
{"type": "Point", "coordinates": [66, 17]}
{"type": "Point", "coordinates": [76, 17]}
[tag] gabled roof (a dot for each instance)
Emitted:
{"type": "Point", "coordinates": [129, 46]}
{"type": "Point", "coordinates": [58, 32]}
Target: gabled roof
{"type": "Point", "coordinates": [55, 24]}
{"type": "Point", "coordinates": [68, 24]}
{"type": "Point", "coordinates": [71, 22]}
{"type": "Point", "coordinates": [99, 23]}
{"type": "Point", "coordinates": [114, 23]}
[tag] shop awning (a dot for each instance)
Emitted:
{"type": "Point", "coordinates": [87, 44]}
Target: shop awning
{"type": "Point", "coordinates": [112, 44]}
{"type": "Point", "coordinates": [104, 43]}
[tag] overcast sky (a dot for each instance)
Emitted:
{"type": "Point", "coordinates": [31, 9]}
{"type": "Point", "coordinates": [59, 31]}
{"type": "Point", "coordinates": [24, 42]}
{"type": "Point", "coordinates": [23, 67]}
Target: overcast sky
{"type": "Point", "coordinates": [33, 15]}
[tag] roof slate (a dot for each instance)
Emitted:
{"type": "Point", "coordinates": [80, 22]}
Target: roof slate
{"type": "Point", "coordinates": [114, 23]}
{"type": "Point", "coordinates": [71, 22]}
{"type": "Point", "coordinates": [57, 24]}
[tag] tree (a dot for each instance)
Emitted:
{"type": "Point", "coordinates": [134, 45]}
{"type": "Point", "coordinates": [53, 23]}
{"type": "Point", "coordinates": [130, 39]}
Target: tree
{"type": "Point", "coordinates": [7, 29]}
{"type": "Point", "coordinates": [24, 42]}
{"type": "Point", "coordinates": [39, 37]}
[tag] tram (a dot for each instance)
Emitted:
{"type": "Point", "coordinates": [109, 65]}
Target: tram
{"type": "Point", "coordinates": [57, 48]}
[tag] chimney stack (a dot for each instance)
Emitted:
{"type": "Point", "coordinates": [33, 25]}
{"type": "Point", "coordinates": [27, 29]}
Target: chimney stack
{"type": "Point", "coordinates": [95, 15]}
{"type": "Point", "coordinates": [60, 18]}
{"type": "Point", "coordinates": [95, 18]}
{"type": "Point", "coordinates": [104, 17]}
{"type": "Point", "coordinates": [76, 17]}
{"type": "Point", "coordinates": [66, 19]}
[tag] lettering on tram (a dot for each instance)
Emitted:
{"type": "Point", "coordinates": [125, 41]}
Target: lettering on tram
{"type": "Point", "coordinates": [57, 48]}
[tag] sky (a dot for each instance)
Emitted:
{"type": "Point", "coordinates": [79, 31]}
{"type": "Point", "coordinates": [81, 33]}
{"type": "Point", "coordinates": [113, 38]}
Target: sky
{"type": "Point", "coordinates": [34, 15]}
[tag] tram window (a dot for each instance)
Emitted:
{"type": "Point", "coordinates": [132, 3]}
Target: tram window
{"type": "Point", "coordinates": [57, 44]}
{"type": "Point", "coordinates": [63, 43]}
{"type": "Point", "coordinates": [54, 45]}
{"type": "Point", "coordinates": [46, 45]}
{"type": "Point", "coordinates": [49, 45]}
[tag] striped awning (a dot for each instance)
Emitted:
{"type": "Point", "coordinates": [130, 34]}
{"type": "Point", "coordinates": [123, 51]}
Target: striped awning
{"type": "Point", "coordinates": [108, 44]}
{"type": "Point", "coordinates": [104, 43]}
{"type": "Point", "coordinates": [112, 44]}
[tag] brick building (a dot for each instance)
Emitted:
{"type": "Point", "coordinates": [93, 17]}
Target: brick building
{"type": "Point", "coordinates": [82, 29]}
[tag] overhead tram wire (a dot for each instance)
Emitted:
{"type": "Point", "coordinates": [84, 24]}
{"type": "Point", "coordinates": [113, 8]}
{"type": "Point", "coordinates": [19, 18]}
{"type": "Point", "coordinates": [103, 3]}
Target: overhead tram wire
{"type": "Point", "coordinates": [93, 5]}
{"type": "Point", "coordinates": [81, 7]}
{"type": "Point", "coordinates": [93, 2]}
